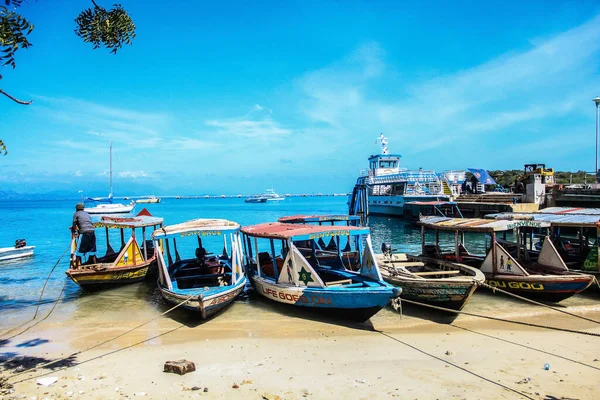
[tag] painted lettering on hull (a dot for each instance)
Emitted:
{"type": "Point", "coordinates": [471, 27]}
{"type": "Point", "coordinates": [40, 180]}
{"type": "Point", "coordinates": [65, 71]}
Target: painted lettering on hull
{"type": "Point", "coordinates": [515, 285]}
{"type": "Point", "coordinates": [296, 298]}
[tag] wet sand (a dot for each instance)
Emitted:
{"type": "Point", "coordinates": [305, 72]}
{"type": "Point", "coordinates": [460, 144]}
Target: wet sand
{"type": "Point", "coordinates": [271, 351]}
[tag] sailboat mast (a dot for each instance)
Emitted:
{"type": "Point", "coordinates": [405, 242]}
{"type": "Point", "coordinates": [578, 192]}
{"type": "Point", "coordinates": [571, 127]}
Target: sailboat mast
{"type": "Point", "coordinates": [111, 194]}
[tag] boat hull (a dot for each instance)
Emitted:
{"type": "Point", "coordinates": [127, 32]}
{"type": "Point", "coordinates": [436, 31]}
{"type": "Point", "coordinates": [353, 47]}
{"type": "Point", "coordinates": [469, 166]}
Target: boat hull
{"type": "Point", "coordinates": [205, 305]}
{"type": "Point", "coordinates": [12, 253]}
{"type": "Point", "coordinates": [539, 287]}
{"type": "Point", "coordinates": [109, 209]}
{"type": "Point", "coordinates": [97, 278]}
{"type": "Point", "coordinates": [356, 305]}
{"type": "Point", "coordinates": [395, 205]}
{"type": "Point", "coordinates": [453, 295]}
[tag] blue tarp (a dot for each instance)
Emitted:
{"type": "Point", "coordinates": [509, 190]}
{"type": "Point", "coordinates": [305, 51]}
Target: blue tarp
{"type": "Point", "coordinates": [482, 176]}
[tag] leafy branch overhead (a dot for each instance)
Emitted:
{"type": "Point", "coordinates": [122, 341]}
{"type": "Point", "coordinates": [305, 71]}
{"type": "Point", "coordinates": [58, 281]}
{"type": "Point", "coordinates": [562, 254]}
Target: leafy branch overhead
{"type": "Point", "coordinates": [13, 33]}
{"type": "Point", "coordinates": [101, 27]}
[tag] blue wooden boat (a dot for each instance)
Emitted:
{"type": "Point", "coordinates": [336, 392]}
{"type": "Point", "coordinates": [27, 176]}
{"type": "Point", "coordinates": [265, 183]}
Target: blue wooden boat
{"type": "Point", "coordinates": [209, 282]}
{"type": "Point", "coordinates": [281, 272]}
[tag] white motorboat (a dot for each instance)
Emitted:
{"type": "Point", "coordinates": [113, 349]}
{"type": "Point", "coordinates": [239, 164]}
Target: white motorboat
{"type": "Point", "coordinates": [270, 195]}
{"type": "Point", "coordinates": [19, 250]}
{"type": "Point", "coordinates": [148, 200]}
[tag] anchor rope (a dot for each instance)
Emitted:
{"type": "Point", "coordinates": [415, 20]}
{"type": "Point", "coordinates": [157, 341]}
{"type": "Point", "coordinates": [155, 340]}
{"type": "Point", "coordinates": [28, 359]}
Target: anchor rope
{"type": "Point", "coordinates": [525, 346]}
{"type": "Point", "coordinates": [495, 289]}
{"type": "Point", "coordinates": [98, 344]}
{"type": "Point", "coordinates": [456, 365]}
{"type": "Point", "coordinates": [40, 298]}
{"type": "Point", "coordinates": [501, 319]}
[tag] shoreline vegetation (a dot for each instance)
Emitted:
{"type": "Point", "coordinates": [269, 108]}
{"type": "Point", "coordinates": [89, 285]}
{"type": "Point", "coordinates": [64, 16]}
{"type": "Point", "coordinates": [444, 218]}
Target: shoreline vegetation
{"type": "Point", "coordinates": [255, 349]}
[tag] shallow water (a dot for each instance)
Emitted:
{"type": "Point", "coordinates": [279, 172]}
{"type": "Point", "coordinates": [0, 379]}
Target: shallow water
{"type": "Point", "coordinates": [45, 225]}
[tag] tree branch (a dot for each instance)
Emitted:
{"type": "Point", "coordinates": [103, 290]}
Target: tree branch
{"type": "Point", "coordinates": [96, 5]}
{"type": "Point", "coordinates": [26, 103]}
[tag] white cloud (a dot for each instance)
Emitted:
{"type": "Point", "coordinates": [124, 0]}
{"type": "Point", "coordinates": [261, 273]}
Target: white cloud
{"type": "Point", "coordinates": [133, 174]}
{"type": "Point", "coordinates": [263, 128]}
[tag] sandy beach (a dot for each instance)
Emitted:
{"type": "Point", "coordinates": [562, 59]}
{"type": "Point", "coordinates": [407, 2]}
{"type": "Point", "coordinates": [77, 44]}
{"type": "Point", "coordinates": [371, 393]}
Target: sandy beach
{"type": "Point", "coordinates": [256, 349]}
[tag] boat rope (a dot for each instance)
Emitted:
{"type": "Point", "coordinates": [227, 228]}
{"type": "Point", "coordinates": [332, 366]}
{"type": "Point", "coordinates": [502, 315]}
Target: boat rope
{"type": "Point", "coordinates": [40, 298]}
{"type": "Point", "coordinates": [41, 320]}
{"type": "Point", "coordinates": [501, 319]}
{"type": "Point", "coordinates": [93, 358]}
{"type": "Point", "coordinates": [99, 344]}
{"type": "Point", "coordinates": [495, 289]}
{"type": "Point", "coordinates": [456, 365]}
{"type": "Point", "coordinates": [525, 346]}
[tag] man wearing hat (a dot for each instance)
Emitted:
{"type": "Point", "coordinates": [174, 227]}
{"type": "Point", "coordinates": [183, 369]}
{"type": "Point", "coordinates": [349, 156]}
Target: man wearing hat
{"type": "Point", "coordinates": [82, 224]}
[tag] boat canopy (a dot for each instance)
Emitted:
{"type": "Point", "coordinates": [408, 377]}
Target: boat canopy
{"type": "Point", "coordinates": [199, 227]}
{"type": "Point", "coordinates": [296, 219]}
{"type": "Point", "coordinates": [139, 221]}
{"type": "Point", "coordinates": [573, 220]}
{"type": "Point", "coordinates": [277, 230]}
{"type": "Point", "coordinates": [478, 224]}
{"type": "Point", "coordinates": [482, 176]}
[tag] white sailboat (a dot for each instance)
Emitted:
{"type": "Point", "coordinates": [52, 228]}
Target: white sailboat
{"type": "Point", "coordinates": [106, 206]}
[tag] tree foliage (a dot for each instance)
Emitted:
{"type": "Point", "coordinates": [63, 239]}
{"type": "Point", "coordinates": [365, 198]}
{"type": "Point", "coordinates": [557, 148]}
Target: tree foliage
{"type": "Point", "coordinates": [96, 25]}
{"type": "Point", "coordinates": [13, 33]}
{"type": "Point", "coordinates": [101, 27]}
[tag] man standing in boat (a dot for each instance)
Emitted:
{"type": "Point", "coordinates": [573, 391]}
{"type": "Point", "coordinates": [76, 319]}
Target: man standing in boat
{"type": "Point", "coordinates": [82, 224]}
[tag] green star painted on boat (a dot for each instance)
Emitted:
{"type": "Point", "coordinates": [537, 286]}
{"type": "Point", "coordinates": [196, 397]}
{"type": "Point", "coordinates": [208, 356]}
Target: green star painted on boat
{"type": "Point", "coordinates": [305, 276]}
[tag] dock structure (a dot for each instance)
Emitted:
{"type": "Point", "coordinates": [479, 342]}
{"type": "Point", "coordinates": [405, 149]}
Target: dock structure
{"type": "Point", "coordinates": [480, 205]}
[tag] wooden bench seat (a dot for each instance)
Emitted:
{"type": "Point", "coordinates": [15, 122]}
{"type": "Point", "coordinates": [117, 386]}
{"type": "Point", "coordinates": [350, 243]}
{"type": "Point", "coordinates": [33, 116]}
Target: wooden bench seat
{"type": "Point", "coordinates": [339, 283]}
{"type": "Point", "coordinates": [429, 273]}
{"type": "Point", "coordinates": [204, 276]}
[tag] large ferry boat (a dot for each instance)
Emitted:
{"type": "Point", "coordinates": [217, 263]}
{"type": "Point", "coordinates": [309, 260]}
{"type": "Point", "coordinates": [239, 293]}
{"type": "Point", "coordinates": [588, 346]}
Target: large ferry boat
{"type": "Point", "coordinates": [387, 189]}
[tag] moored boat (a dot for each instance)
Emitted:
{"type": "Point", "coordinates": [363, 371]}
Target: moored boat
{"type": "Point", "coordinates": [256, 199]}
{"type": "Point", "coordinates": [131, 263]}
{"type": "Point", "coordinates": [101, 205]}
{"type": "Point", "coordinates": [510, 265]}
{"type": "Point", "coordinates": [431, 281]}
{"type": "Point", "coordinates": [205, 283]}
{"type": "Point", "coordinates": [19, 250]}
{"type": "Point", "coordinates": [148, 200]}
{"type": "Point", "coordinates": [282, 273]}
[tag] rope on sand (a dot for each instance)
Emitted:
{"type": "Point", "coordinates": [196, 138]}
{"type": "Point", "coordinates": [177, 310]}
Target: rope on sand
{"type": "Point", "coordinates": [97, 344]}
{"type": "Point", "coordinates": [525, 346]}
{"type": "Point", "coordinates": [501, 319]}
{"type": "Point", "coordinates": [457, 366]}
{"type": "Point", "coordinates": [495, 289]}
{"type": "Point", "coordinates": [40, 301]}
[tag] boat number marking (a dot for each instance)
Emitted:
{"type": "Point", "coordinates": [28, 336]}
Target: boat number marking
{"type": "Point", "coordinates": [328, 234]}
{"type": "Point", "coordinates": [131, 274]}
{"type": "Point", "coordinates": [222, 299]}
{"type": "Point", "coordinates": [516, 285]}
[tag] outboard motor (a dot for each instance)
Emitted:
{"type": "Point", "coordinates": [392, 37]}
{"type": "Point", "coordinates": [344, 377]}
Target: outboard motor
{"type": "Point", "coordinates": [20, 243]}
{"type": "Point", "coordinates": [386, 249]}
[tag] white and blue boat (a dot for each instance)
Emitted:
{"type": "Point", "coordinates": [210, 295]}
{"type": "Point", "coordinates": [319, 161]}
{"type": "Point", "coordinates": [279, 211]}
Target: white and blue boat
{"type": "Point", "coordinates": [387, 189]}
{"type": "Point", "coordinates": [302, 278]}
{"type": "Point", "coordinates": [207, 282]}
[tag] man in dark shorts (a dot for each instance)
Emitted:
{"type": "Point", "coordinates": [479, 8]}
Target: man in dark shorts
{"type": "Point", "coordinates": [83, 225]}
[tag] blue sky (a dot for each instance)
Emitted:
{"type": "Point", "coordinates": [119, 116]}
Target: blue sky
{"type": "Point", "coordinates": [234, 97]}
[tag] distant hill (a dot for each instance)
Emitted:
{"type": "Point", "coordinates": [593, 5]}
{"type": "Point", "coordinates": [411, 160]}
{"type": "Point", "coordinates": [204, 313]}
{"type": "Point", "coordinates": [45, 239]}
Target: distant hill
{"type": "Point", "coordinates": [9, 195]}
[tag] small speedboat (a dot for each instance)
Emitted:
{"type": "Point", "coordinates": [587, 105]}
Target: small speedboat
{"type": "Point", "coordinates": [20, 250]}
{"type": "Point", "coordinates": [256, 199]}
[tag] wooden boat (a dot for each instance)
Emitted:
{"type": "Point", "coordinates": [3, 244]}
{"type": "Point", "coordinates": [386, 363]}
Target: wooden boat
{"type": "Point", "coordinates": [305, 281]}
{"type": "Point", "coordinates": [148, 200]}
{"type": "Point", "coordinates": [509, 266]}
{"type": "Point", "coordinates": [209, 282]}
{"type": "Point", "coordinates": [325, 251]}
{"type": "Point", "coordinates": [431, 281]}
{"type": "Point", "coordinates": [131, 263]}
{"type": "Point", "coordinates": [19, 250]}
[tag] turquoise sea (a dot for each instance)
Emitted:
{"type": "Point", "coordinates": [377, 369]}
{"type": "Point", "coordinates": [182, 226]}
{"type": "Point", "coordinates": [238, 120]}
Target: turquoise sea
{"type": "Point", "coordinates": [45, 224]}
